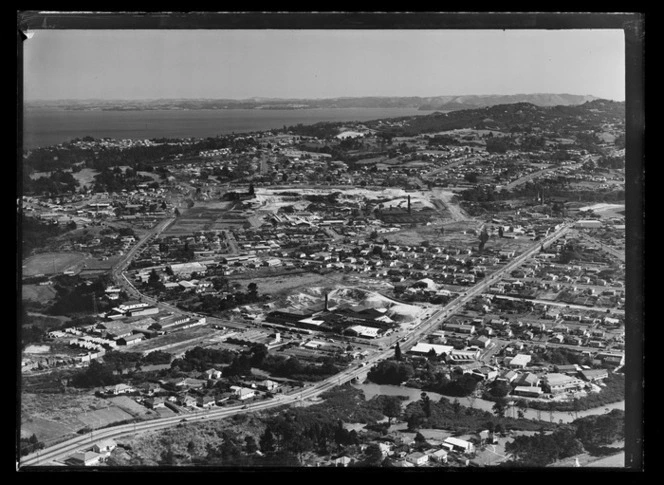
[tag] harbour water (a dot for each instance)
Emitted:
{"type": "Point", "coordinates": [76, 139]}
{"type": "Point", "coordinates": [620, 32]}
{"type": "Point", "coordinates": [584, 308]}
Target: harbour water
{"type": "Point", "coordinates": [45, 127]}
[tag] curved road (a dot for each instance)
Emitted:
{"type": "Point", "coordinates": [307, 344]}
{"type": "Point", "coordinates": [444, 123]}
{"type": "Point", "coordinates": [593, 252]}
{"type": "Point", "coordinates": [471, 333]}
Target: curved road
{"type": "Point", "coordinates": [59, 451]}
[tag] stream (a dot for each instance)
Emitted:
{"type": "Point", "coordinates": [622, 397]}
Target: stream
{"type": "Point", "coordinates": [370, 390]}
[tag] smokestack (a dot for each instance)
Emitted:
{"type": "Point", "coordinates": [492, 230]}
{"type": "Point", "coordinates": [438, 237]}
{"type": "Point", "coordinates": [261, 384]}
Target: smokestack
{"type": "Point", "coordinates": [326, 302]}
{"type": "Point", "coordinates": [409, 204]}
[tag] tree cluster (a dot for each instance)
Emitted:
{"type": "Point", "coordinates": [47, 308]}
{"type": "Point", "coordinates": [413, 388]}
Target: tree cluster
{"type": "Point", "coordinates": [584, 434]}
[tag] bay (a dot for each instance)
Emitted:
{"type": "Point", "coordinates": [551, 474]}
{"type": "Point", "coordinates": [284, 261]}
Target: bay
{"type": "Point", "coordinates": [45, 127]}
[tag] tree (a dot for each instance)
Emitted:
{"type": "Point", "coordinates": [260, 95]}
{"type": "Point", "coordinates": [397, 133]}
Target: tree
{"type": "Point", "coordinates": [153, 278]}
{"type": "Point", "coordinates": [426, 404]}
{"type": "Point", "coordinates": [499, 407]}
{"type": "Point", "coordinates": [253, 289]}
{"type": "Point", "coordinates": [456, 406]}
{"type": "Point", "coordinates": [397, 352]}
{"type": "Point", "coordinates": [372, 455]}
{"type": "Point", "coordinates": [268, 443]}
{"type": "Point", "coordinates": [392, 408]}
{"type": "Point", "coordinates": [471, 177]}
{"type": "Point", "coordinates": [521, 406]}
{"type": "Point", "coordinates": [250, 444]}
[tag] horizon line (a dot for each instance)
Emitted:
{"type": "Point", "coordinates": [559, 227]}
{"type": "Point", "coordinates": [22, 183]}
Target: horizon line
{"type": "Point", "coordinates": [255, 98]}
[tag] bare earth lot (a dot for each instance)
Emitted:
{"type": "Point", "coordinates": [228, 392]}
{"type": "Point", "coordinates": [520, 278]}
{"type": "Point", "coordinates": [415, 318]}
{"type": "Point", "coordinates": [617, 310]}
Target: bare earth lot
{"type": "Point", "coordinates": [168, 342]}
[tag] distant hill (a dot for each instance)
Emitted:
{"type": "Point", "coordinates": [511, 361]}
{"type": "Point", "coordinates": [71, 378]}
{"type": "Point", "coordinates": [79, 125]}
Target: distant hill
{"type": "Point", "coordinates": [435, 103]}
{"type": "Point", "coordinates": [520, 117]}
{"type": "Point", "coordinates": [446, 103]}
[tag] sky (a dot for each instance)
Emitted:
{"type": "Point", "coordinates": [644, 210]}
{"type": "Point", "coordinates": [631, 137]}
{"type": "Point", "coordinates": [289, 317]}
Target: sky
{"type": "Point", "coordinates": [240, 64]}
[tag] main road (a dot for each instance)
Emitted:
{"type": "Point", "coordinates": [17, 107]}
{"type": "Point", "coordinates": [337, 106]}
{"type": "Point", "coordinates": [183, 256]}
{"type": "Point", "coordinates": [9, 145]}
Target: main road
{"type": "Point", "coordinates": [61, 450]}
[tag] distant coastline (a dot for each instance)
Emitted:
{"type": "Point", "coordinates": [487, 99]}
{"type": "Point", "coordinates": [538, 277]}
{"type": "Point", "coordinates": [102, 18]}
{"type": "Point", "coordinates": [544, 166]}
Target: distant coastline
{"type": "Point", "coordinates": [430, 103]}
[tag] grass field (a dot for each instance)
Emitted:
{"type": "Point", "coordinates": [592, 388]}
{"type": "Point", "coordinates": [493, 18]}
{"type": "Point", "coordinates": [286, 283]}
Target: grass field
{"type": "Point", "coordinates": [49, 263]}
{"type": "Point", "coordinates": [129, 405]}
{"type": "Point", "coordinates": [104, 417]}
{"type": "Point", "coordinates": [48, 430]}
{"type": "Point", "coordinates": [37, 293]}
{"type": "Point", "coordinates": [54, 415]}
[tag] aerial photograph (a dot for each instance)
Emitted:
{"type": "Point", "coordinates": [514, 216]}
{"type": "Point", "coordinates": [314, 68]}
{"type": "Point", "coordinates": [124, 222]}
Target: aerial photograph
{"type": "Point", "coordinates": [361, 248]}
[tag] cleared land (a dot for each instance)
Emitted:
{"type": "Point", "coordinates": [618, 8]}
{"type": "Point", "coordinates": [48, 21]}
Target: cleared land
{"type": "Point", "coordinates": [104, 417]}
{"type": "Point", "coordinates": [129, 405]}
{"type": "Point", "coordinates": [49, 263]}
{"type": "Point", "coordinates": [38, 293]}
{"type": "Point", "coordinates": [168, 342]}
{"type": "Point", "coordinates": [53, 415]}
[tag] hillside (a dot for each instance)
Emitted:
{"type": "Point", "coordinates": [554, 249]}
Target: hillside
{"type": "Point", "coordinates": [566, 120]}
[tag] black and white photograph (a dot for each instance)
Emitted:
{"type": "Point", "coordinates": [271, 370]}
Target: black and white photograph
{"type": "Point", "coordinates": [281, 241]}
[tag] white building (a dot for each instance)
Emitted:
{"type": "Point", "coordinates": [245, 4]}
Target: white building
{"type": "Point", "coordinates": [457, 444]}
{"type": "Point", "coordinates": [520, 361]}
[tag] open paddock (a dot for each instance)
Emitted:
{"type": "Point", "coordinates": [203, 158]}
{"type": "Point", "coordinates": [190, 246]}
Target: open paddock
{"type": "Point", "coordinates": [52, 263]}
{"type": "Point", "coordinates": [41, 294]}
{"type": "Point", "coordinates": [48, 431]}
{"type": "Point", "coordinates": [128, 405]}
{"type": "Point", "coordinates": [104, 417]}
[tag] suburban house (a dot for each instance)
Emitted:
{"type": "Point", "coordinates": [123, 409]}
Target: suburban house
{"type": "Point", "coordinates": [268, 385]}
{"type": "Point", "coordinates": [86, 458]}
{"type": "Point", "coordinates": [155, 402]}
{"type": "Point", "coordinates": [485, 373]}
{"type": "Point", "coordinates": [341, 461]}
{"type": "Point", "coordinates": [594, 375]}
{"type": "Point", "coordinates": [212, 374]}
{"type": "Point", "coordinates": [457, 444]}
{"type": "Point", "coordinates": [105, 446]}
{"type": "Point", "coordinates": [486, 436]}
{"type": "Point", "coordinates": [566, 368]}
{"type": "Point", "coordinates": [131, 339]}
{"type": "Point", "coordinates": [118, 389]}
{"type": "Point", "coordinates": [205, 401]}
{"type": "Point", "coordinates": [507, 376]}
{"type": "Point", "coordinates": [186, 400]}
{"type": "Point", "coordinates": [611, 358]}
{"type": "Point", "coordinates": [557, 383]}
{"type": "Point", "coordinates": [481, 341]}
{"type": "Point", "coordinates": [519, 361]}
{"type": "Point", "coordinates": [417, 458]}
{"type": "Point", "coordinates": [439, 456]}
{"type": "Point", "coordinates": [149, 388]}
{"type": "Point", "coordinates": [528, 379]}
{"type": "Point", "coordinates": [243, 392]}
{"type": "Point", "coordinates": [527, 391]}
